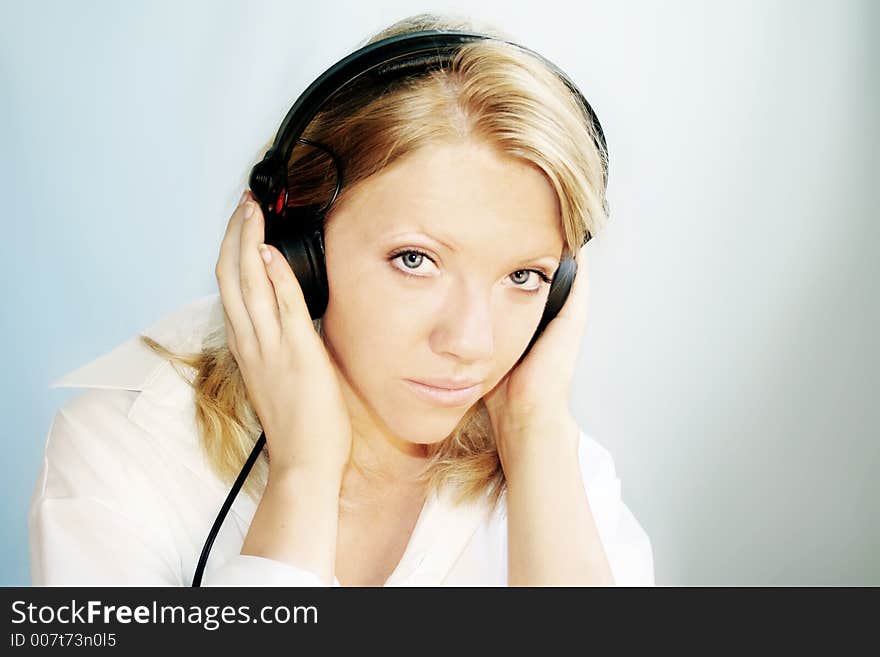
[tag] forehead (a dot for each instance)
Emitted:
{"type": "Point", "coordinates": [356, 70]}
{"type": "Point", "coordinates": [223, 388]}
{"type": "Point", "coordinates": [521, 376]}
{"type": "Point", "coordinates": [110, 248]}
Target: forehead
{"type": "Point", "coordinates": [460, 192]}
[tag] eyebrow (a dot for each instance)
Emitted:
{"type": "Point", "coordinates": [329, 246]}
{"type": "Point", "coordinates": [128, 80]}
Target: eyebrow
{"type": "Point", "coordinates": [447, 242]}
{"type": "Point", "coordinates": [551, 261]}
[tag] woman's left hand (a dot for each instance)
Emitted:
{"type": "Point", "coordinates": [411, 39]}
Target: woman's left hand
{"type": "Point", "coordinates": [530, 403]}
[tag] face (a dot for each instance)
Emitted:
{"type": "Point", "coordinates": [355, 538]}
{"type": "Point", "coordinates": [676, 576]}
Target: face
{"type": "Point", "coordinates": [435, 271]}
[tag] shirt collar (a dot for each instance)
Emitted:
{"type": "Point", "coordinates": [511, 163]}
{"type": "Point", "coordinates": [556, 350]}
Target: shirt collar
{"type": "Point", "coordinates": [163, 409]}
{"type": "Point", "coordinates": [131, 365]}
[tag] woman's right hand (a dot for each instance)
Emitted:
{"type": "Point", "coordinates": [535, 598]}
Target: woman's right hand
{"type": "Point", "coordinates": [291, 381]}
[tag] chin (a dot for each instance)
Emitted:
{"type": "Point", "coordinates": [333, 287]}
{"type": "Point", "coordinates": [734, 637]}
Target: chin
{"type": "Point", "coordinates": [424, 428]}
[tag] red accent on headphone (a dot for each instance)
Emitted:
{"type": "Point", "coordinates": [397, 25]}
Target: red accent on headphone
{"type": "Point", "coordinates": [281, 202]}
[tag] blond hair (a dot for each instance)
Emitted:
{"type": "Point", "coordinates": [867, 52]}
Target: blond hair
{"type": "Point", "coordinates": [492, 92]}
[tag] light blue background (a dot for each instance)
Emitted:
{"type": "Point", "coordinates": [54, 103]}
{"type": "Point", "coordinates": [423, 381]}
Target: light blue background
{"type": "Point", "coordinates": [731, 360]}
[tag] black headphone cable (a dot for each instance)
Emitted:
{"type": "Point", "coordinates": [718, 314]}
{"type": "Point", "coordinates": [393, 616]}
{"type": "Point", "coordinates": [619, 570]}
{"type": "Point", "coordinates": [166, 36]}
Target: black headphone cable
{"type": "Point", "coordinates": [230, 498]}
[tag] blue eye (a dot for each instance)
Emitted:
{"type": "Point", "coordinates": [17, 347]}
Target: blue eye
{"type": "Point", "coordinates": [413, 258]}
{"type": "Point", "coordinates": [406, 259]}
{"type": "Point", "coordinates": [540, 274]}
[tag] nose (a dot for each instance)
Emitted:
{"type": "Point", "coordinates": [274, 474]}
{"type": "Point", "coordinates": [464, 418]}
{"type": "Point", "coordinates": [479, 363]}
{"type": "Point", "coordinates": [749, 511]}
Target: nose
{"type": "Point", "coordinates": [464, 328]}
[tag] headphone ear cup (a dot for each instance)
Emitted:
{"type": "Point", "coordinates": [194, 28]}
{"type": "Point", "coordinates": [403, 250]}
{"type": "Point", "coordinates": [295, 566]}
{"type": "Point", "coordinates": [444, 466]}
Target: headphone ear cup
{"type": "Point", "coordinates": [304, 253]}
{"type": "Point", "coordinates": [563, 279]}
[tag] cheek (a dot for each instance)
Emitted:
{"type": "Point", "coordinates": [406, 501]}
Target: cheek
{"type": "Point", "coordinates": [370, 309]}
{"type": "Point", "coordinates": [371, 320]}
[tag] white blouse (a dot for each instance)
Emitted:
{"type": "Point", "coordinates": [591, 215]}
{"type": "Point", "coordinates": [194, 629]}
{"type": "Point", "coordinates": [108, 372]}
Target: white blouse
{"type": "Point", "coordinates": [126, 497]}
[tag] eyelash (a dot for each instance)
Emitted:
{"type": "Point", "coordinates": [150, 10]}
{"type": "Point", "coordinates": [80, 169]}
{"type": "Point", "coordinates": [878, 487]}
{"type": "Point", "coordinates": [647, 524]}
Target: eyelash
{"type": "Point", "coordinates": [408, 250]}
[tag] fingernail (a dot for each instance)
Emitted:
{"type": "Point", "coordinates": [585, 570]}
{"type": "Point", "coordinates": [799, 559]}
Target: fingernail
{"type": "Point", "coordinates": [265, 253]}
{"type": "Point", "coordinates": [244, 196]}
{"type": "Point", "coordinates": [248, 210]}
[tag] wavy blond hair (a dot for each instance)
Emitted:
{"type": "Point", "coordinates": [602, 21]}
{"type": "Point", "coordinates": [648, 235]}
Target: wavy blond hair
{"type": "Point", "coordinates": [492, 92]}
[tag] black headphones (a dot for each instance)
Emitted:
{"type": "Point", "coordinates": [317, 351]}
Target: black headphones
{"type": "Point", "coordinates": [301, 239]}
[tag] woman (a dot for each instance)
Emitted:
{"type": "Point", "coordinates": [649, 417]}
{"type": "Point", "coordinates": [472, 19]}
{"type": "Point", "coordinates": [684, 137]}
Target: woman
{"type": "Point", "coordinates": [463, 190]}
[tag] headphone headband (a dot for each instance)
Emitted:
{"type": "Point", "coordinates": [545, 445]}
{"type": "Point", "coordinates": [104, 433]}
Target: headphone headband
{"type": "Point", "coordinates": [400, 54]}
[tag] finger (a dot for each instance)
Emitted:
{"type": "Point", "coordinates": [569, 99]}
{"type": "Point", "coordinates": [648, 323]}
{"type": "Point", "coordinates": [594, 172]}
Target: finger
{"type": "Point", "coordinates": [293, 310]}
{"type": "Point", "coordinates": [230, 335]}
{"type": "Point", "coordinates": [257, 290]}
{"type": "Point", "coordinates": [227, 273]}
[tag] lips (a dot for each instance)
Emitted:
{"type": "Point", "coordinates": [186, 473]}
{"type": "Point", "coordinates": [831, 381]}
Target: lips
{"type": "Point", "coordinates": [440, 396]}
{"type": "Point", "coordinates": [447, 384]}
